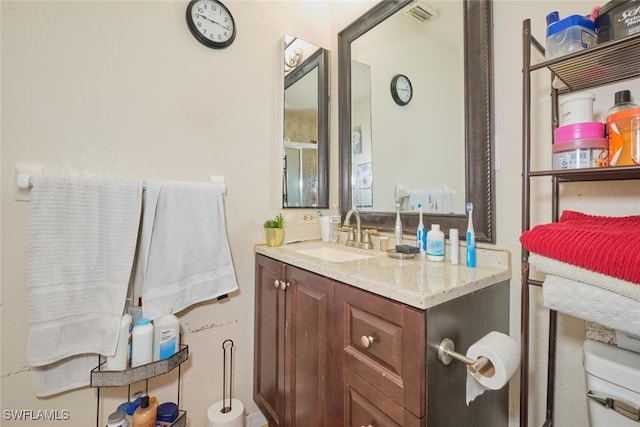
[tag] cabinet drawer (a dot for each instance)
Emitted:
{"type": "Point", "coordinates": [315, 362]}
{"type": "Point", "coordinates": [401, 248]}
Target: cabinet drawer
{"type": "Point", "coordinates": [382, 342]}
{"type": "Point", "coordinates": [365, 406]}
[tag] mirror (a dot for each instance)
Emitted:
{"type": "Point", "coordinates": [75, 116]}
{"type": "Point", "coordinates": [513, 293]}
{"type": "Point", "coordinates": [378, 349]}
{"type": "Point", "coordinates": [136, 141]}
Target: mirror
{"type": "Point", "coordinates": [379, 139]}
{"type": "Point", "coordinates": [306, 125]}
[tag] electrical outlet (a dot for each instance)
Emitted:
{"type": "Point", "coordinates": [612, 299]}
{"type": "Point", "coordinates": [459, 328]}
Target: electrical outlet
{"type": "Point", "coordinates": [308, 218]}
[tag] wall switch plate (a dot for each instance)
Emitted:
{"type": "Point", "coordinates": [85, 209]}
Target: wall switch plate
{"type": "Point", "coordinates": [308, 218]}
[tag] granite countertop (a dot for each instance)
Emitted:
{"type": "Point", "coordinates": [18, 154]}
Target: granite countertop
{"type": "Point", "coordinates": [417, 282]}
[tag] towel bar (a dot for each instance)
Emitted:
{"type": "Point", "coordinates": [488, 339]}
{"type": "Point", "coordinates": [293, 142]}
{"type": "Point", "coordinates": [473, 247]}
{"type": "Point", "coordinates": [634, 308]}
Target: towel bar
{"type": "Point", "coordinates": [24, 184]}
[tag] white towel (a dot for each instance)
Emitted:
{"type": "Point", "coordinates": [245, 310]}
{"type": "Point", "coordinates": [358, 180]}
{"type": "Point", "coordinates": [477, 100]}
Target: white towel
{"type": "Point", "coordinates": [82, 234]}
{"type": "Point", "coordinates": [592, 303]}
{"type": "Point", "coordinates": [184, 255]}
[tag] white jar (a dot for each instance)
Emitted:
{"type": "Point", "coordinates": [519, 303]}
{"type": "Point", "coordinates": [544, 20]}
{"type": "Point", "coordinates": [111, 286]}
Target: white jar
{"type": "Point", "coordinates": [142, 343]}
{"type": "Point", "coordinates": [117, 419]}
{"type": "Point", "coordinates": [435, 243]}
{"type": "Point", "coordinates": [577, 108]}
{"type": "Point", "coordinates": [122, 359]}
{"type": "Point", "coordinates": [166, 335]}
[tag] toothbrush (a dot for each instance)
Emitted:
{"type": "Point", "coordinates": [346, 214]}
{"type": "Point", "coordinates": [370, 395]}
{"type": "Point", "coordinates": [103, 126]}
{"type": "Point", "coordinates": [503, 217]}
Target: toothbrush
{"type": "Point", "coordinates": [471, 238]}
{"type": "Point", "coordinates": [421, 236]}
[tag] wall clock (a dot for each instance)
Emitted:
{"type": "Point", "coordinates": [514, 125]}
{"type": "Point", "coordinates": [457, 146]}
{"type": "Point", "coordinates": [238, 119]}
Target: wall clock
{"type": "Point", "coordinates": [401, 89]}
{"type": "Point", "coordinates": [211, 23]}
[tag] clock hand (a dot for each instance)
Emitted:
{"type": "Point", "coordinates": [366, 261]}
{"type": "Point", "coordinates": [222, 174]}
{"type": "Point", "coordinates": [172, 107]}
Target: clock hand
{"type": "Point", "coordinates": [213, 21]}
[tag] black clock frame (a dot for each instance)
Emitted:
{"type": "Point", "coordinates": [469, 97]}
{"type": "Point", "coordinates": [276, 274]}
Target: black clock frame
{"type": "Point", "coordinates": [202, 39]}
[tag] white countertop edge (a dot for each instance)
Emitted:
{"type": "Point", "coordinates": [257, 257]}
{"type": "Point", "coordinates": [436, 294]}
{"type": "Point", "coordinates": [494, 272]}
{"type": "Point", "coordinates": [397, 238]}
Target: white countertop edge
{"type": "Point", "coordinates": [417, 282]}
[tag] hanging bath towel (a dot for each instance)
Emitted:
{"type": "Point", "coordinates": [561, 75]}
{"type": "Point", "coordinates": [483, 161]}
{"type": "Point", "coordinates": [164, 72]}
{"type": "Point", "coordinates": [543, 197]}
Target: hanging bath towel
{"type": "Point", "coordinates": [184, 255]}
{"type": "Point", "coordinates": [81, 240]}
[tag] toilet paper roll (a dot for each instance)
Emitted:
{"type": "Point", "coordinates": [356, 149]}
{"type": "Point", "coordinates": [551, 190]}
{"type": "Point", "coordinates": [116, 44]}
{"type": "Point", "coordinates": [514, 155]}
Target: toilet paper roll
{"type": "Point", "coordinates": [503, 353]}
{"type": "Point", "coordinates": [233, 418]}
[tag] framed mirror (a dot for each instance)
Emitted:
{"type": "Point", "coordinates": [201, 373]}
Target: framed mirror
{"type": "Point", "coordinates": [306, 125]}
{"type": "Point", "coordinates": [435, 150]}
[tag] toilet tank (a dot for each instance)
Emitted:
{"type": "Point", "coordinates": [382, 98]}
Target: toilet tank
{"type": "Point", "coordinates": [612, 373]}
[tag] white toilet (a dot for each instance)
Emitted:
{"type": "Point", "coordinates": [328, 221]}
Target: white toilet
{"type": "Point", "coordinates": [613, 381]}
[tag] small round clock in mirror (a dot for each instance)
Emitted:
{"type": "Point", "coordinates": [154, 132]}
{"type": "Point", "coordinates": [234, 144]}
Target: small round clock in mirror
{"type": "Point", "coordinates": [401, 89]}
{"type": "Point", "coordinates": [211, 23]}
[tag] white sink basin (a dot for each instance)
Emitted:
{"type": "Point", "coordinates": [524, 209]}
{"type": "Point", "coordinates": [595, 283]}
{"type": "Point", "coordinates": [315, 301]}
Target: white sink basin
{"type": "Point", "coordinates": [331, 254]}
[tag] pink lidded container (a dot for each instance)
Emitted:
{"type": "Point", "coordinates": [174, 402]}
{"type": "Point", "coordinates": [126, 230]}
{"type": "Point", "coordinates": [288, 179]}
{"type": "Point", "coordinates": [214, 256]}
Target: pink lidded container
{"type": "Point", "coordinates": [581, 153]}
{"type": "Point", "coordinates": [584, 130]}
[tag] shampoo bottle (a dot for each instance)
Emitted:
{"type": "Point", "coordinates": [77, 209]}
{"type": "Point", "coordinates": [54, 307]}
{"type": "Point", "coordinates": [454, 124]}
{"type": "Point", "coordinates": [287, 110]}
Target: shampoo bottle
{"type": "Point", "coordinates": [166, 335]}
{"type": "Point", "coordinates": [398, 229]}
{"type": "Point", "coordinates": [435, 243]}
{"type": "Point", "coordinates": [421, 235]}
{"type": "Point", "coordinates": [145, 415]}
{"type": "Point", "coordinates": [142, 343]}
{"type": "Point", "coordinates": [122, 359]}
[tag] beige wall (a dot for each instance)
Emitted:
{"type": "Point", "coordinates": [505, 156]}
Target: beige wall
{"type": "Point", "coordinates": [123, 89]}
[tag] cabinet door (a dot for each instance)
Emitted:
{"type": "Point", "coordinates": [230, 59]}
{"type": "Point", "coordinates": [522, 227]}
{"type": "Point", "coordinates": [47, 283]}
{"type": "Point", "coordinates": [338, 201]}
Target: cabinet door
{"type": "Point", "coordinates": [365, 406]}
{"type": "Point", "coordinates": [383, 342]}
{"type": "Point", "coordinates": [269, 340]}
{"type": "Point", "coordinates": [308, 325]}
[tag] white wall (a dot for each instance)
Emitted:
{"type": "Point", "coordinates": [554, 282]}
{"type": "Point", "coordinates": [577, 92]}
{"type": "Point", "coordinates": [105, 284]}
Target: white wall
{"type": "Point", "coordinates": [123, 89]}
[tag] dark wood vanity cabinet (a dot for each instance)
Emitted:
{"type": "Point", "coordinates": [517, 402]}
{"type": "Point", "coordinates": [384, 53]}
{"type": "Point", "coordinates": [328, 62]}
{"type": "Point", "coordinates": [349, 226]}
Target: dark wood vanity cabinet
{"type": "Point", "coordinates": [293, 335]}
{"type": "Point", "coordinates": [329, 354]}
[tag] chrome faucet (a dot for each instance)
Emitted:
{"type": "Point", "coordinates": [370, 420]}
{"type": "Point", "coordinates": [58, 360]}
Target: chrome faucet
{"type": "Point", "coordinates": [355, 237]}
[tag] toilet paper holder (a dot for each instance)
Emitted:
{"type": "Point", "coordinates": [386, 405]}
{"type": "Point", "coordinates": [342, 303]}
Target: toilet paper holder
{"type": "Point", "coordinates": [447, 353]}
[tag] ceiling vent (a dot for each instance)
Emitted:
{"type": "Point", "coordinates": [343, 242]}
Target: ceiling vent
{"type": "Point", "coordinates": [420, 12]}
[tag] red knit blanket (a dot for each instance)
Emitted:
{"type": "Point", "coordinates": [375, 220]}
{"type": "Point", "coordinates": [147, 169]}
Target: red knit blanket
{"type": "Point", "coordinates": [607, 245]}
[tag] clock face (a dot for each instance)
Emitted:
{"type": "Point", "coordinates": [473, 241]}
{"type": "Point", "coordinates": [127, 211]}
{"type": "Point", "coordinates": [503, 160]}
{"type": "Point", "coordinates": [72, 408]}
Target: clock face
{"type": "Point", "coordinates": [211, 23]}
{"type": "Point", "coordinates": [401, 89]}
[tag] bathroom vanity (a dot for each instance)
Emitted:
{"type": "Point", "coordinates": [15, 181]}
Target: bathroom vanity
{"type": "Point", "coordinates": [350, 337]}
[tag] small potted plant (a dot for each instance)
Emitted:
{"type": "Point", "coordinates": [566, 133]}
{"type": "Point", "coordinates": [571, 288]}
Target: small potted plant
{"type": "Point", "coordinates": [274, 231]}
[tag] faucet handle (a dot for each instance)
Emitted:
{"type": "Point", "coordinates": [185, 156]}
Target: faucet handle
{"type": "Point", "coordinates": [371, 231]}
{"type": "Point", "coordinates": [366, 241]}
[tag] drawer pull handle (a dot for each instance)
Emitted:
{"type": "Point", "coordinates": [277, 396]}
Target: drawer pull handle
{"type": "Point", "coordinates": [366, 341]}
{"type": "Point", "coordinates": [276, 283]}
{"type": "Point", "coordinates": [284, 285]}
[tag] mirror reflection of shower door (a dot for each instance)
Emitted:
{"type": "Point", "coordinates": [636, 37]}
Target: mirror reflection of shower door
{"type": "Point", "coordinates": [300, 175]}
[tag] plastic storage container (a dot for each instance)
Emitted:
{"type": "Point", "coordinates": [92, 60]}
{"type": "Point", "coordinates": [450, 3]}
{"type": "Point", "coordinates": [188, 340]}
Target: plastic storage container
{"type": "Point", "coordinates": [586, 130]}
{"type": "Point", "coordinates": [568, 35]}
{"type": "Point", "coordinates": [576, 108]}
{"type": "Point", "coordinates": [581, 153]}
{"type": "Point", "coordinates": [617, 19]}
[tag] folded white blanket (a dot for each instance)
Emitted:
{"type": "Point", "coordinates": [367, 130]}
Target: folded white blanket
{"type": "Point", "coordinates": [592, 303]}
{"type": "Point", "coordinates": [184, 255]}
{"type": "Point", "coordinates": [81, 240]}
{"type": "Point", "coordinates": [562, 269]}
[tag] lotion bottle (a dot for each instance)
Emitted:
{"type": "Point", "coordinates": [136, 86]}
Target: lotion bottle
{"type": "Point", "coordinates": [398, 229]}
{"type": "Point", "coordinates": [435, 243]}
{"type": "Point", "coordinates": [166, 335]}
{"type": "Point", "coordinates": [142, 343]}
{"type": "Point", "coordinates": [145, 415]}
